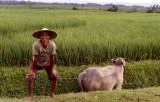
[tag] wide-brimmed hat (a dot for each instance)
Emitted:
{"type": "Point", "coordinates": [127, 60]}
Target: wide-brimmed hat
{"type": "Point", "coordinates": [51, 33]}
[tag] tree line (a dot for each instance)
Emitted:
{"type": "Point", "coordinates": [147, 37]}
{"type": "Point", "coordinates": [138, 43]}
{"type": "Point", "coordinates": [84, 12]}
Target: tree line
{"type": "Point", "coordinates": [154, 9]}
{"type": "Point", "coordinates": [75, 6]}
{"type": "Point", "coordinates": [22, 2]}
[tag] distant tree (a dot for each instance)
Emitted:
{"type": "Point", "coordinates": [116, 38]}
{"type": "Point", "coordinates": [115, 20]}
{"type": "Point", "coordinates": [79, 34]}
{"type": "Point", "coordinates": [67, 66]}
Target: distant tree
{"type": "Point", "coordinates": [153, 9]}
{"type": "Point", "coordinates": [75, 7]}
{"type": "Point", "coordinates": [29, 4]}
{"type": "Point", "coordinates": [114, 8]}
{"type": "Point", "coordinates": [149, 10]}
{"type": "Point", "coordinates": [100, 7]}
{"type": "Point", "coordinates": [82, 5]}
{"type": "Point", "coordinates": [135, 9]}
{"type": "Point", "coordinates": [22, 2]}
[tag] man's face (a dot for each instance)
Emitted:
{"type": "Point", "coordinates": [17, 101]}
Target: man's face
{"type": "Point", "coordinates": [45, 37]}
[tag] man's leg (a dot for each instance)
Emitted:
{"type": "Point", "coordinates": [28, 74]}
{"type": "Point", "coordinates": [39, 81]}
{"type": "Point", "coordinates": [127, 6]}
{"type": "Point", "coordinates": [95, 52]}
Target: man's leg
{"type": "Point", "coordinates": [30, 76]}
{"type": "Point", "coordinates": [53, 78]}
{"type": "Point", "coordinates": [53, 87]}
{"type": "Point", "coordinates": [30, 88]}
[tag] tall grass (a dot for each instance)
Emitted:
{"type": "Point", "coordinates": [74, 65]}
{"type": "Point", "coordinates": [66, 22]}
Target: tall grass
{"type": "Point", "coordinates": [84, 37]}
{"type": "Point", "coordinates": [13, 83]}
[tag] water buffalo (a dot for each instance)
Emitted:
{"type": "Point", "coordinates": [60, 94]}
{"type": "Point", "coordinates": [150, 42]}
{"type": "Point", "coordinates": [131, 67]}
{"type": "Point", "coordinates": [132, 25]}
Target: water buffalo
{"type": "Point", "coordinates": [103, 78]}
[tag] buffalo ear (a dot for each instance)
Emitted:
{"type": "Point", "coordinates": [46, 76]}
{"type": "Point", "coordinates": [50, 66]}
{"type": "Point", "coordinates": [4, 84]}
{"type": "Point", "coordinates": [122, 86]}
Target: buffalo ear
{"type": "Point", "coordinates": [113, 60]}
{"type": "Point", "coordinates": [125, 59]}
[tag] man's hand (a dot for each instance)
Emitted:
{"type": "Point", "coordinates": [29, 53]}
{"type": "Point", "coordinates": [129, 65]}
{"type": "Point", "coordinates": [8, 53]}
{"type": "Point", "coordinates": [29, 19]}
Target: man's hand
{"type": "Point", "coordinates": [46, 65]}
{"type": "Point", "coordinates": [55, 73]}
{"type": "Point", "coordinates": [32, 74]}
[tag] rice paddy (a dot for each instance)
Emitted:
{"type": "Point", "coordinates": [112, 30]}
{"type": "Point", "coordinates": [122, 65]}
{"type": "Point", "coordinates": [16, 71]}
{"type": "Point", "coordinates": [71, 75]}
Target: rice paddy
{"type": "Point", "coordinates": [84, 37]}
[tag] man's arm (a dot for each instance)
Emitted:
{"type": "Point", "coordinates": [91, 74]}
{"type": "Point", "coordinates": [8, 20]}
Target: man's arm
{"type": "Point", "coordinates": [52, 61]}
{"type": "Point", "coordinates": [35, 59]}
{"type": "Point", "coordinates": [52, 65]}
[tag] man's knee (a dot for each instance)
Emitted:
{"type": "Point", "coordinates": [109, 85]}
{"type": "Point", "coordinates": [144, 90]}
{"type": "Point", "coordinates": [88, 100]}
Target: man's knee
{"type": "Point", "coordinates": [53, 77]}
{"type": "Point", "coordinates": [30, 77]}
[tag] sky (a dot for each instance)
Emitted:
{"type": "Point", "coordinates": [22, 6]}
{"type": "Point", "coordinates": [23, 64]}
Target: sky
{"type": "Point", "coordinates": [125, 2]}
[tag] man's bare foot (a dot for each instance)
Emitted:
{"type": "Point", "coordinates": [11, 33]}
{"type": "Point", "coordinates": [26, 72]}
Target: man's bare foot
{"type": "Point", "coordinates": [53, 96]}
{"type": "Point", "coordinates": [29, 98]}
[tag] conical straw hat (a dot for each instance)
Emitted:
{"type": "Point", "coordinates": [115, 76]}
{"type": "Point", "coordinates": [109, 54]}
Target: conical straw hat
{"type": "Point", "coordinates": [51, 33]}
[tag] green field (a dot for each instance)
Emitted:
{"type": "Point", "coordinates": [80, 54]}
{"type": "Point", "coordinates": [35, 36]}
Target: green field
{"type": "Point", "coordinates": [139, 95]}
{"type": "Point", "coordinates": [85, 8]}
{"type": "Point", "coordinates": [84, 37]}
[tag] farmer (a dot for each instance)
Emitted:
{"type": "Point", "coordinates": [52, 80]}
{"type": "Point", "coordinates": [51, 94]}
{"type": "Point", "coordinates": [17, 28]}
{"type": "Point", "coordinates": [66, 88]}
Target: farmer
{"type": "Point", "coordinates": [43, 58]}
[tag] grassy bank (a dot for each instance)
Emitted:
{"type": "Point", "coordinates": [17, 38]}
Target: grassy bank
{"type": "Point", "coordinates": [14, 84]}
{"type": "Point", "coordinates": [138, 95]}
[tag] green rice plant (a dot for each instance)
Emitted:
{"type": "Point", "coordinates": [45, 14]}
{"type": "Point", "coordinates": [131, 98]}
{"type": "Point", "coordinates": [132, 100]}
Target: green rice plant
{"type": "Point", "coordinates": [84, 37]}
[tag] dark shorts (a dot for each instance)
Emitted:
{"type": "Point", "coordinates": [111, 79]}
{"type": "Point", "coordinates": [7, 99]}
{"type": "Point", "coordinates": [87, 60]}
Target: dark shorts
{"type": "Point", "coordinates": [48, 69]}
